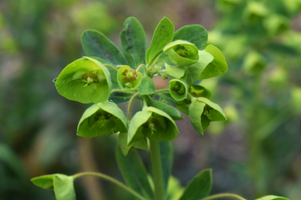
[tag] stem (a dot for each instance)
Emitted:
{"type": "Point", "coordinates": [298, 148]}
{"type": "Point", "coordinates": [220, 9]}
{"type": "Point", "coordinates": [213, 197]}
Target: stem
{"type": "Point", "coordinates": [111, 66]}
{"type": "Point", "coordinates": [216, 196]}
{"type": "Point", "coordinates": [109, 179]}
{"type": "Point", "coordinates": [157, 170]}
{"type": "Point", "coordinates": [141, 65]}
{"type": "Point", "coordinates": [162, 90]}
{"type": "Point", "coordinates": [154, 61]}
{"type": "Point", "coordinates": [121, 90]}
{"type": "Point", "coordinates": [129, 105]}
{"type": "Point", "coordinates": [144, 102]}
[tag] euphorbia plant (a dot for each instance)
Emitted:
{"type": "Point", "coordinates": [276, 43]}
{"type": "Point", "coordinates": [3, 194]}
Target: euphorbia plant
{"type": "Point", "coordinates": [107, 77]}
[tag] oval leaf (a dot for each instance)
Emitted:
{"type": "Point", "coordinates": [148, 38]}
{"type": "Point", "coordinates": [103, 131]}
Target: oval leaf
{"type": "Point", "coordinates": [194, 33]}
{"type": "Point", "coordinates": [147, 86]}
{"type": "Point", "coordinates": [218, 66]}
{"type": "Point", "coordinates": [97, 44]}
{"type": "Point", "coordinates": [199, 187]}
{"type": "Point", "coordinates": [134, 172]}
{"type": "Point", "coordinates": [133, 41]}
{"type": "Point", "coordinates": [63, 187]}
{"type": "Point", "coordinates": [85, 80]}
{"type": "Point", "coordinates": [162, 36]}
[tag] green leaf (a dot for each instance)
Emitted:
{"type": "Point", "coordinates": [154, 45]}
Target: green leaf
{"type": "Point", "coordinates": [45, 182]}
{"type": "Point", "coordinates": [194, 33]}
{"type": "Point", "coordinates": [140, 144]}
{"type": "Point", "coordinates": [166, 97]}
{"type": "Point", "coordinates": [177, 89]}
{"type": "Point", "coordinates": [128, 78]}
{"type": "Point", "coordinates": [63, 187]}
{"type": "Point", "coordinates": [85, 80]}
{"type": "Point", "coordinates": [182, 53]}
{"type": "Point", "coordinates": [166, 161]}
{"type": "Point", "coordinates": [195, 70]}
{"type": "Point", "coordinates": [183, 105]}
{"type": "Point", "coordinates": [133, 40]}
{"type": "Point", "coordinates": [174, 71]}
{"type": "Point", "coordinates": [102, 119]}
{"type": "Point", "coordinates": [171, 111]}
{"type": "Point", "coordinates": [120, 97]}
{"type": "Point", "coordinates": [199, 91]}
{"type": "Point", "coordinates": [147, 86]}
{"type": "Point", "coordinates": [162, 36]}
{"type": "Point", "coordinates": [97, 44]}
{"type": "Point", "coordinates": [272, 197]}
{"type": "Point", "coordinates": [199, 187]}
{"type": "Point", "coordinates": [215, 112]}
{"type": "Point", "coordinates": [134, 172]}
{"type": "Point", "coordinates": [218, 66]}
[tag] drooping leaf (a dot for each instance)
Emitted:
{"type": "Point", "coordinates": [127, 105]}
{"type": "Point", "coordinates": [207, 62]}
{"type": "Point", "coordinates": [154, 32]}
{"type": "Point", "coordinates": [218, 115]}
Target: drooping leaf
{"type": "Point", "coordinates": [182, 53]}
{"type": "Point", "coordinates": [97, 44]}
{"type": "Point", "coordinates": [134, 172]}
{"type": "Point", "coordinates": [128, 78]}
{"type": "Point", "coordinates": [133, 40]}
{"type": "Point", "coordinates": [171, 111]}
{"type": "Point", "coordinates": [147, 86]}
{"type": "Point", "coordinates": [177, 89]}
{"type": "Point", "coordinates": [217, 67]}
{"type": "Point", "coordinates": [101, 119]}
{"type": "Point", "coordinates": [272, 197]}
{"type": "Point", "coordinates": [85, 80]}
{"type": "Point", "coordinates": [166, 154]}
{"type": "Point", "coordinates": [162, 36]}
{"type": "Point", "coordinates": [63, 187]}
{"type": "Point", "coordinates": [194, 33]}
{"type": "Point", "coordinates": [195, 70]}
{"type": "Point", "coordinates": [199, 187]}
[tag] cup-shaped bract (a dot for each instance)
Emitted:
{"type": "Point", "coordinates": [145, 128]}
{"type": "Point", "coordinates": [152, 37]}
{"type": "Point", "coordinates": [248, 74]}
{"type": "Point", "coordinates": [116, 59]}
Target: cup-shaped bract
{"type": "Point", "coordinates": [85, 80]}
{"type": "Point", "coordinates": [128, 78]}
{"type": "Point", "coordinates": [199, 91]}
{"type": "Point", "coordinates": [182, 53]}
{"type": "Point", "coordinates": [103, 118]}
{"type": "Point", "coordinates": [202, 111]}
{"type": "Point", "coordinates": [152, 123]}
{"type": "Point", "coordinates": [177, 89]}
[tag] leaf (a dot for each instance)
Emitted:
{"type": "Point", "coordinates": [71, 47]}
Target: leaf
{"type": "Point", "coordinates": [182, 53]}
{"type": "Point", "coordinates": [195, 70]}
{"type": "Point", "coordinates": [140, 144]}
{"type": "Point", "coordinates": [147, 86]}
{"type": "Point", "coordinates": [196, 110]}
{"type": "Point", "coordinates": [174, 71]}
{"type": "Point", "coordinates": [195, 34]}
{"type": "Point", "coordinates": [85, 80]}
{"type": "Point", "coordinates": [133, 41]}
{"type": "Point", "coordinates": [199, 187]}
{"type": "Point", "coordinates": [215, 113]}
{"type": "Point", "coordinates": [171, 111]}
{"type": "Point", "coordinates": [119, 97]}
{"type": "Point", "coordinates": [218, 66]}
{"type": "Point", "coordinates": [101, 119]}
{"type": "Point", "coordinates": [177, 89]}
{"type": "Point", "coordinates": [166, 161]}
{"type": "Point", "coordinates": [272, 197]}
{"type": "Point", "coordinates": [63, 187]}
{"type": "Point", "coordinates": [162, 36]}
{"type": "Point", "coordinates": [134, 172]}
{"type": "Point", "coordinates": [199, 91]}
{"type": "Point", "coordinates": [97, 44]}
{"type": "Point", "coordinates": [45, 182]}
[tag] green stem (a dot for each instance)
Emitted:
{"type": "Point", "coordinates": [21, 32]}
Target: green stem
{"type": "Point", "coordinates": [111, 66]}
{"type": "Point", "coordinates": [103, 176]}
{"type": "Point", "coordinates": [121, 90]}
{"type": "Point", "coordinates": [217, 196]}
{"type": "Point", "coordinates": [157, 170]}
{"type": "Point", "coordinates": [144, 102]}
{"type": "Point", "coordinates": [154, 61]}
{"type": "Point", "coordinates": [162, 90]}
{"type": "Point", "coordinates": [129, 105]}
{"type": "Point", "coordinates": [141, 65]}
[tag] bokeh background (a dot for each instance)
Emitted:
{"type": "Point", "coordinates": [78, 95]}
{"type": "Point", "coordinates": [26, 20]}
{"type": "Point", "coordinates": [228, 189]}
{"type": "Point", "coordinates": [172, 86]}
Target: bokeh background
{"type": "Point", "coordinates": [256, 152]}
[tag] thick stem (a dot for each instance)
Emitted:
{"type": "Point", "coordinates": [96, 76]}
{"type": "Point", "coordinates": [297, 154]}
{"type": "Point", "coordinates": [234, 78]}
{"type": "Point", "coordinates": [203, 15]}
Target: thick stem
{"type": "Point", "coordinates": [103, 176]}
{"type": "Point", "coordinates": [157, 170]}
{"type": "Point", "coordinates": [217, 196]}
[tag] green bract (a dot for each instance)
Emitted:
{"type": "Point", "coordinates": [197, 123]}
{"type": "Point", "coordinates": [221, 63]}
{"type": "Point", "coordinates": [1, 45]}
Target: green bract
{"type": "Point", "coordinates": [182, 53]}
{"type": "Point", "coordinates": [177, 89]}
{"type": "Point", "coordinates": [152, 123]}
{"type": "Point", "coordinates": [85, 80]}
{"type": "Point", "coordinates": [128, 78]}
{"type": "Point", "coordinates": [202, 111]}
{"type": "Point", "coordinates": [101, 119]}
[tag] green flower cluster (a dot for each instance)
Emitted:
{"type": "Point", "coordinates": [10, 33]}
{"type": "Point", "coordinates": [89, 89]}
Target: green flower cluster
{"type": "Point", "coordinates": [108, 76]}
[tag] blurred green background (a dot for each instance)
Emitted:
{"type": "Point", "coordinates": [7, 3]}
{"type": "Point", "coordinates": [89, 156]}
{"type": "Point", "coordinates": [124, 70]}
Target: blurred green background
{"type": "Point", "coordinates": [256, 152]}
